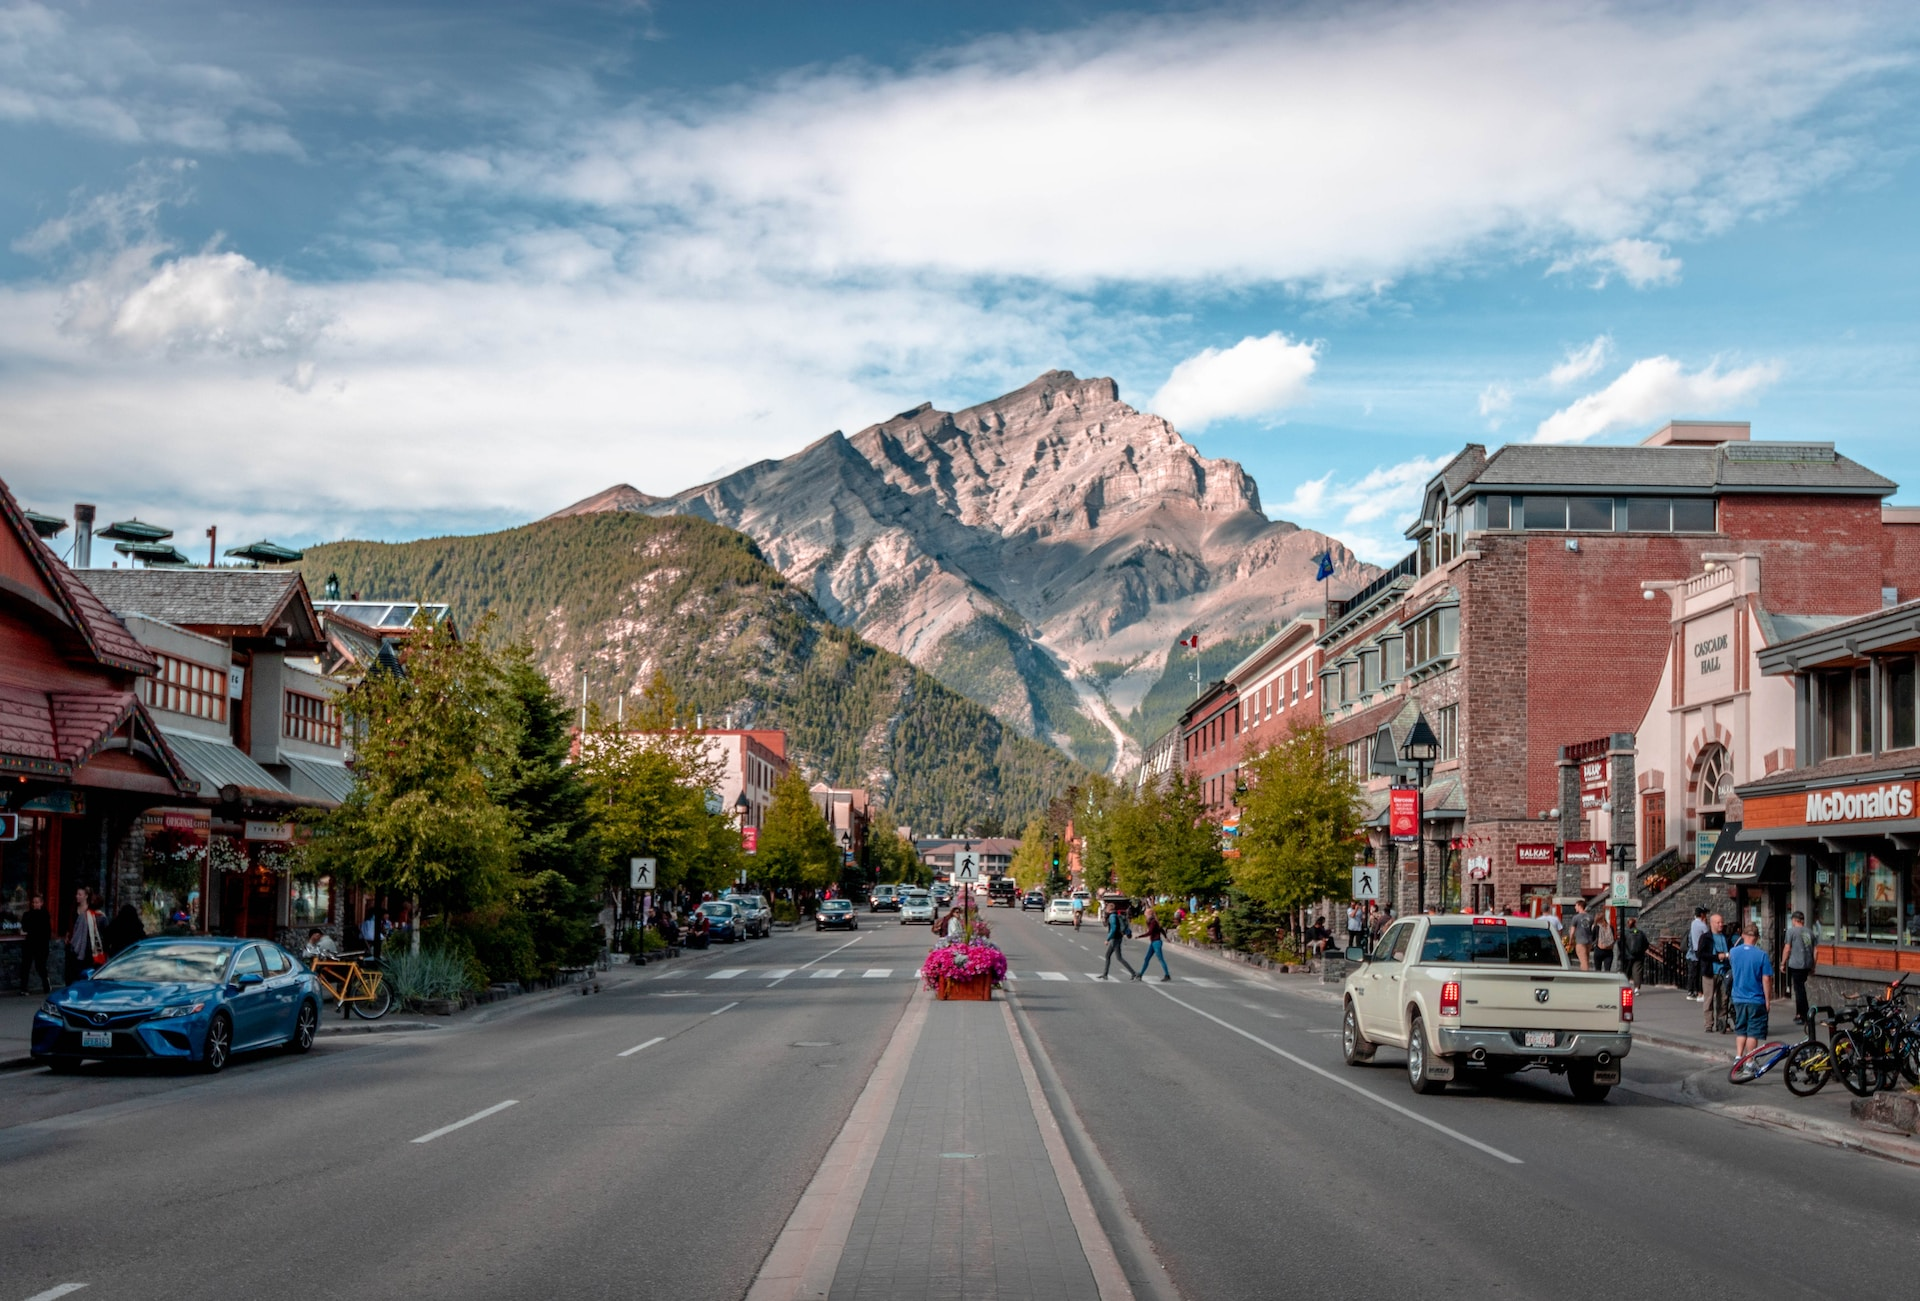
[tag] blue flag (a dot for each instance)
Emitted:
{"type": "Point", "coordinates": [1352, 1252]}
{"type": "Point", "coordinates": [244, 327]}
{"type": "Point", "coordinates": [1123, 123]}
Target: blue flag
{"type": "Point", "coordinates": [1323, 565]}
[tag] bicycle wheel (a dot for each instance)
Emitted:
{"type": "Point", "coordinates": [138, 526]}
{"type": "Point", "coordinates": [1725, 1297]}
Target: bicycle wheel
{"type": "Point", "coordinates": [1910, 1057]}
{"type": "Point", "coordinates": [1747, 1069]}
{"type": "Point", "coordinates": [1809, 1067]}
{"type": "Point", "coordinates": [1854, 1064]}
{"type": "Point", "coordinates": [377, 1004]}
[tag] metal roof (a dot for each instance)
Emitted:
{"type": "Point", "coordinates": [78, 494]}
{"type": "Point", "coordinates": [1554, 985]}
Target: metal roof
{"type": "Point", "coordinates": [330, 781]}
{"type": "Point", "coordinates": [217, 765]}
{"type": "Point", "coordinates": [1732, 467]}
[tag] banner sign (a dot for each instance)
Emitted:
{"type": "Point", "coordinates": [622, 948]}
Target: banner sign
{"type": "Point", "coordinates": [1594, 775]}
{"type": "Point", "coordinates": [750, 839]}
{"type": "Point", "coordinates": [1535, 855]}
{"type": "Point", "coordinates": [1403, 813]}
{"type": "Point", "coordinates": [273, 831]}
{"type": "Point", "coordinates": [1586, 852]}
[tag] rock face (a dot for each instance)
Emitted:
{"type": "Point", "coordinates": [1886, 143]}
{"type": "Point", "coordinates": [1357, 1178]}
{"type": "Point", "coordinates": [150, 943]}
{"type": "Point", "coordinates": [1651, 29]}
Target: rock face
{"type": "Point", "coordinates": [1040, 552]}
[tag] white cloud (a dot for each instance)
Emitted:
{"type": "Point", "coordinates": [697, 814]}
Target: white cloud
{"type": "Point", "coordinates": [1337, 151]}
{"type": "Point", "coordinates": [1362, 512]}
{"type": "Point", "coordinates": [1654, 389]}
{"type": "Point", "coordinates": [214, 302]}
{"type": "Point", "coordinates": [1495, 401]}
{"type": "Point", "coordinates": [1255, 377]}
{"type": "Point", "coordinates": [1581, 362]}
{"type": "Point", "coordinates": [1640, 262]}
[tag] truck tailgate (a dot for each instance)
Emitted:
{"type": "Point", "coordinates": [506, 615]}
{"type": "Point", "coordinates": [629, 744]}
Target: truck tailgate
{"type": "Point", "coordinates": [1542, 999]}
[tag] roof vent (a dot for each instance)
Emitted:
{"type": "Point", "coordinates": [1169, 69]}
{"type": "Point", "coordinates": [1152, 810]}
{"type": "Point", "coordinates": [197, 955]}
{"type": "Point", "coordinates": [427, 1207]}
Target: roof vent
{"type": "Point", "coordinates": [1700, 433]}
{"type": "Point", "coordinates": [1781, 452]}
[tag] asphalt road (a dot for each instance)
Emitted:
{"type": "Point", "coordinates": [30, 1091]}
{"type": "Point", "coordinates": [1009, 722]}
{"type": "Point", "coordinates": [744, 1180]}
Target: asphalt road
{"type": "Point", "coordinates": [1255, 1162]}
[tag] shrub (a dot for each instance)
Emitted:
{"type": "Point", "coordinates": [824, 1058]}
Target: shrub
{"type": "Point", "coordinates": [1248, 925]}
{"type": "Point", "coordinates": [503, 943]}
{"type": "Point", "coordinates": [786, 910]}
{"type": "Point", "coordinates": [414, 977]}
{"type": "Point", "coordinates": [458, 947]}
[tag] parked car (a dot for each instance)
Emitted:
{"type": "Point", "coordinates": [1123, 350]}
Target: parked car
{"type": "Point", "coordinates": [837, 913]}
{"type": "Point", "coordinates": [885, 898]}
{"type": "Point", "coordinates": [197, 1000]}
{"type": "Point", "coordinates": [1000, 890]}
{"type": "Point", "coordinates": [916, 906]}
{"type": "Point", "coordinates": [725, 921]}
{"type": "Point", "coordinates": [1059, 910]}
{"type": "Point", "coordinates": [758, 917]}
{"type": "Point", "coordinates": [1033, 899]}
{"type": "Point", "coordinates": [1487, 996]}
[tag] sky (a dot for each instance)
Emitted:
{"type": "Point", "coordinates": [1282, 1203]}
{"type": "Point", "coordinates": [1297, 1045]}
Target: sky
{"type": "Point", "coordinates": [392, 269]}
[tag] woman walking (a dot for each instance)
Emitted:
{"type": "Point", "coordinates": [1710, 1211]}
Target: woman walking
{"type": "Point", "coordinates": [1156, 935]}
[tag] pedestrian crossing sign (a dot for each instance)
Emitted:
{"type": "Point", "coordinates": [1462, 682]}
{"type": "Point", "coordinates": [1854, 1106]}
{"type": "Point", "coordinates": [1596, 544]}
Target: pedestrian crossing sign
{"type": "Point", "coordinates": [966, 868]}
{"type": "Point", "coordinates": [1366, 883]}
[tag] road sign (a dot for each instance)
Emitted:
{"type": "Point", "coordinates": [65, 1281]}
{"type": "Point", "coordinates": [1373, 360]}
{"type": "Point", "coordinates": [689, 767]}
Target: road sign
{"type": "Point", "coordinates": [1366, 883]}
{"type": "Point", "coordinates": [642, 873]}
{"type": "Point", "coordinates": [966, 868]}
{"type": "Point", "coordinates": [1622, 887]}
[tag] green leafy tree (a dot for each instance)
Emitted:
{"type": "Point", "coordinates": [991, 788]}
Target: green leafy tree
{"type": "Point", "coordinates": [1034, 859]}
{"type": "Point", "coordinates": [891, 856]}
{"type": "Point", "coordinates": [797, 848]}
{"type": "Point", "coordinates": [1161, 840]}
{"type": "Point", "coordinates": [1298, 823]}
{"type": "Point", "coordinates": [423, 822]}
{"type": "Point", "coordinates": [647, 786]}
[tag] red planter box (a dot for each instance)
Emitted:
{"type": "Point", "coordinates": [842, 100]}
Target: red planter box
{"type": "Point", "coordinates": [976, 989]}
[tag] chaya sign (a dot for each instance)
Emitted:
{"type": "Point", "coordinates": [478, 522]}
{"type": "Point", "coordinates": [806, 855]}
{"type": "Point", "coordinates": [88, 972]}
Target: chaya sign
{"type": "Point", "coordinates": [1403, 813]}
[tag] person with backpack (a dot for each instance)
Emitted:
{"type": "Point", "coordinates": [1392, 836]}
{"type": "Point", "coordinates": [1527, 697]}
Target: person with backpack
{"type": "Point", "coordinates": [1603, 942]}
{"type": "Point", "coordinates": [1633, 951]}
{"type": "Point", "coordinates": [1117, 933]}
{"type": "Point", "coordinates": [1156, 935]}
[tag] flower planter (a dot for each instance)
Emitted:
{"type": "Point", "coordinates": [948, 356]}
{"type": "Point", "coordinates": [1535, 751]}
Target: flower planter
{"type": "Point", "coordinates": [975, 989]}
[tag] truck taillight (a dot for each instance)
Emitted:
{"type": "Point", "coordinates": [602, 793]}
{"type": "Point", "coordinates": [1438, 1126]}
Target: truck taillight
{"type": "Point", "coordinates": [1450, 998]}
{"type": "Point", "coordinates": [1626, 1002]}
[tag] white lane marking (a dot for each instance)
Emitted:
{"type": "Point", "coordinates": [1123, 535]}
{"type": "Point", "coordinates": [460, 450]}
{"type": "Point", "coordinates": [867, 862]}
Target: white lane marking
{"type": "Point", "coordinates": [59, 1290]}
{"type": "Point", "coordinates": [876, 973]}
{"type": "Point", "coordinates": [462, 1124]}
{"type": "Point", "coordinates": [829, 953]}
{"type": "Point", "coordinates": [728, 974]}
{"type": "Point", "coordinates": [1328, 1075]}
{"type": "Point", "coordinates": [729, 1007]}
{"type": "Point", "coordinates": [1201, 981]}
{"type": "Point", "coordinates": [657, 1039]}
{"type": "Point", "coordinates": [1050, 975]}
{"type": "Point", "coordinates": [778, 973]}
{"type": "Point", "coordinates": [826, 973]}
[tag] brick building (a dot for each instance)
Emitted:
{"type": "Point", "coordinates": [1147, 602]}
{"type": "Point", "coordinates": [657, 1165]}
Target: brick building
{"type": "Point", "coordinates": [1209, 745]}
{"type": "Point", "coordinates": [1517, 624]}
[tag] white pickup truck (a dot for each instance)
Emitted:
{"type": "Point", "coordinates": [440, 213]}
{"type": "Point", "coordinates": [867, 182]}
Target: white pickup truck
{"type": "Point", "coordinates": [1487, 996]}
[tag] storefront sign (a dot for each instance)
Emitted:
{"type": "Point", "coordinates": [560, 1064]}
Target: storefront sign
{"type": "Point", "coordinates": [9, 826]}
{"type": "Point", "coordinates": [1480, 867]}
{"type": "Point", "coordinates": [275, 831]}
{"type": "Point", "coordinates": [74, 802]}
{"type": "Point", "coordinates": [189, 822]}
{"type": "Point", "coordinates": [1703, 843]}
{"type": "Point", "coordinates": [1403, 813]}
{"type": "Point", "coordinates": [750, 839]}
{"type": "Point", "coordinates": [1594, 776]}
{"type": "Point", "coordinates": [1541, 855]}
{"type": "Point", "coordinates": [1876, 802]}
{"type": "Point", "coordinates": [236, 682]}
{"type": "Point", "coordinates": [1707, 653]}
{"type": "Point", "coordinates": [1586, 852]}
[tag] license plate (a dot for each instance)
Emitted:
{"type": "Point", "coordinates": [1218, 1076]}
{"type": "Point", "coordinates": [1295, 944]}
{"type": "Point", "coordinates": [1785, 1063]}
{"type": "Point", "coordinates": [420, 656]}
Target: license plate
{"type": "Point", "coordinates": [96, 1038]}
{"type": "Point", "coordinates": [1539, 1038]}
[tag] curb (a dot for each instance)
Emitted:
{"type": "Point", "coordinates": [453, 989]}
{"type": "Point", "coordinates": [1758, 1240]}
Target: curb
{"type": "Point", "coordinates": [376, 1027]}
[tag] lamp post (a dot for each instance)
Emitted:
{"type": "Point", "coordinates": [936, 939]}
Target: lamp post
{"type": "Point", "coordinates": [1419, 751]}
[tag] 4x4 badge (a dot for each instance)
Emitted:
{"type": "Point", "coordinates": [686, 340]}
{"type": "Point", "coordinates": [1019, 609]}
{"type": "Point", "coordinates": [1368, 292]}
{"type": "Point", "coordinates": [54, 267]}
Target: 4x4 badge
{"type": "Point", "coordinates": [1540, 995]}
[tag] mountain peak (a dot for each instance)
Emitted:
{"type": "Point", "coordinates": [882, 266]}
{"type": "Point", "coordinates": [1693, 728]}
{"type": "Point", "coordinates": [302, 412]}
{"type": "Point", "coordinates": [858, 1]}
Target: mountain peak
{"type": "Point", "coordinates": [622, 496]}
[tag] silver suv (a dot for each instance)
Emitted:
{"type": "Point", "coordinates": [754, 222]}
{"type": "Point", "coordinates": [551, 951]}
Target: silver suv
{"type": "Point", "coordinates": [757, 916]}
{"type": "Point", "coordinates": [885, 898]}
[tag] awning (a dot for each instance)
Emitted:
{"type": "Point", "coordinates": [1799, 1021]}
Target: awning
{"type": "Point", "coordinates": [227, 774]}
{"type": "Point", "coordinates": [328, 781]}
{"type": "Point", "coordinates": [1744, 858]}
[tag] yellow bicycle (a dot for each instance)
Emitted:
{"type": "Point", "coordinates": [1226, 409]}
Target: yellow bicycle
{"type": "Point", "coordinates": [353, 986]}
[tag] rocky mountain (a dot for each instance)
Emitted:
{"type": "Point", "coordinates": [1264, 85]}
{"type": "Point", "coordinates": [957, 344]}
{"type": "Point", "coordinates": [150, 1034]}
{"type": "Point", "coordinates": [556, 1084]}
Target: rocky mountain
{"type": "Point", "coordinates": [1041, 553]}
{"type": "Point", "coordinates": [626, 596]}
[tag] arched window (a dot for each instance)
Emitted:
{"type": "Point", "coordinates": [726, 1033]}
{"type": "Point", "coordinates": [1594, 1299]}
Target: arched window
{"type": "Point", "coordinates": [1715, 785]}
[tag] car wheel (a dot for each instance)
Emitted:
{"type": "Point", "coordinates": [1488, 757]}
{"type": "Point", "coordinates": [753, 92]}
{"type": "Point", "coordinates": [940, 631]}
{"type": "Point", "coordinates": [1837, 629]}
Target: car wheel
{"type": "Point", "coordinates": [218, 1048]}
{"type": "Point", "coordinates": [1356, 1046]}
{"type": "Point", "coordinates": [818, 926]}
{"type": "Point", "coordinates": [1417, 1061]}
{"type": "Point", "coordinates": [305, 1026]}
{"type": "Point", "coordinates": [1580, 1080]}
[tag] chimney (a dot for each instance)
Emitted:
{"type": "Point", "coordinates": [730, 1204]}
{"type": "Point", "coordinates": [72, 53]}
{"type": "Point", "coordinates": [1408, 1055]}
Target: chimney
{"type": "Point", "coordinates": [82, 536]}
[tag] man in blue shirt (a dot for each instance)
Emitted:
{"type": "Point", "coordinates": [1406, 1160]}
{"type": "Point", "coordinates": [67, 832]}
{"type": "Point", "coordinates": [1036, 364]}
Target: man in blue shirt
{"type": "Point", "coordinates": [1751, 973]}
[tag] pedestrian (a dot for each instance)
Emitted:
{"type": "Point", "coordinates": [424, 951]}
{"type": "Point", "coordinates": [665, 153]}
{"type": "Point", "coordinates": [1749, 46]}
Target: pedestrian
{"type": "Point", "coordinates": [1801, 959]}
{"type": "Point", "coordinates": [1155, 935]}
{"type": "Point", "coordinates": [1603, 943]}
{"type": "Point", "coordinates": [1634, 949]}
{"type": "Point", "coordinates": [1750, 973]}
{"type": "Point", "coordinates": [125, 930]}
{"type": "Point", "coordinates": [1117, 932]}
{"type": "Point", "coordinates": [320, 945]}
{"type": "Point", "coordinates": [1214, 934]}
{"type": "Point", "coordinates": [1552, 916]}
{"type": "Point", "coordinates": [1356, 926]}
{"type": "Point", "coordinates": [1695, 932]}
{"type": "Point", "coordinates": [1583, 934]}
{"type": "Point", "coordinates": [84, 948]}
{"type": "Point", "coordinates": [36, 937]}
{"type": "Point", "coordinates": [1381, 916]}
{"type": "Point", "coordinates": [1079, 906]}
{"type": "Point", "coordinates": [1713, 970]}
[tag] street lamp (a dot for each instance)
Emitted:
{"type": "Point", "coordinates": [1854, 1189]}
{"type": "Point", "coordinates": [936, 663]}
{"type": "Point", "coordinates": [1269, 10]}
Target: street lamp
{"type": "Point", "coordinates": [1419, 751]}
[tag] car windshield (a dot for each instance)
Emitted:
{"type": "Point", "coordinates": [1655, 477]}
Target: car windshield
{"type": "Point", "coordinates": [747, 900]}
{"type": "Point", "coordinates": [1517, 946]}
{"type": "Point", "coordinates": [717, 909]}
{"type": "Point", "coordinates": [835, 906]}
{"type": "Point", "coordinates": [916, 898]}
{"type": "Point", "coordinates": [166, 964]}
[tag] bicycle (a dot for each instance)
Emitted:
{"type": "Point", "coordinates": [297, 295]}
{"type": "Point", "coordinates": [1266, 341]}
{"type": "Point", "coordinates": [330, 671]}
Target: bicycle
{"type": "Point", "coordinates": [354, 986]}
{"type": "Point", "coordinates": [1809, 1063]}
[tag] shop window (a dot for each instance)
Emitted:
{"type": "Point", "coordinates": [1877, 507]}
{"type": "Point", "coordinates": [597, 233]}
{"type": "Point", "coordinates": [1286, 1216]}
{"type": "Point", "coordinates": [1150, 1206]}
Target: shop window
{"type": "Point", "coordinates": [1446, 726]}
{"type": "Point", "coordinates": [1910, 907]}
{"type": "Point", "coordinates": [1590, 514]}
{"type": "Point", "coordinates": [1869, 906]}
{"type": "Point", "coordinates": [1826, 904]}
{"type": "Point", "coordinates": [310, 901]}
{"type": "Point", "coordinates": [1537, 513]}
{"type": "Point", "coordinates": [1899, 684]}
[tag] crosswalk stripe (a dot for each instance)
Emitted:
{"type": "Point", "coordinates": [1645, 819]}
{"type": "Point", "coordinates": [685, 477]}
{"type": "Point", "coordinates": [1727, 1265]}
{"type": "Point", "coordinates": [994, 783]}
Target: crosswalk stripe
{"type": "Point", "coordinates": [777, 973]}
{"type": "Point", "coordinates": [728, 974]}
{"type": "Point", "coordinates": [1202, 981]}
{"type": "Point", "coordinates": [1050, 975]}
{"type": "Point", "coordinates": [826, 973]}
{"type": "Point", "coordinates": [877, 973]}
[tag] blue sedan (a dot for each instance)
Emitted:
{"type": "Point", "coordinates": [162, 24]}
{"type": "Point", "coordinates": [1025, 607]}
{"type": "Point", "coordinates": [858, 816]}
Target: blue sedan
{"type": "Point", "coordinates": [725, 921]}
{"type": "Point", "coordinates": [194, 999]}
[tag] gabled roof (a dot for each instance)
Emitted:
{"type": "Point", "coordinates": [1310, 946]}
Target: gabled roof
{"type": "Point", "coordinates": [106, 639]}
{"type": "Point", "coordinates": [226, 602]}
{"type": "Point", "coordinates": [52, 734]}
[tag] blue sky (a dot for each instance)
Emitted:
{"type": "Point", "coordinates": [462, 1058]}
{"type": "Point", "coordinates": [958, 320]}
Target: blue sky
{"type": "Point", "coordinates": [384, 270]}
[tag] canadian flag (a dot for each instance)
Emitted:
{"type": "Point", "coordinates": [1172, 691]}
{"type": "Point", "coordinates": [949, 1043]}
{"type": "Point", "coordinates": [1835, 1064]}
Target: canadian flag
{"type": "Point", "coordinates": [1191, 643]}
